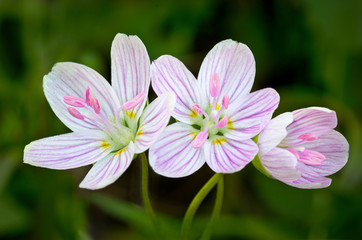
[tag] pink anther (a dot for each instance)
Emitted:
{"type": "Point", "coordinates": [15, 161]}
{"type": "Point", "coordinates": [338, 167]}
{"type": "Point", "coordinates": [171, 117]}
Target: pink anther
{"type": "Point", "coordinates": [88, 97]}
{"type": "Point", "coordinates": [223, 122]}
{"type": "Point", "coordinates": [214, 85]}
{"type": "Point", "coordinates": [74, 101]}
{"type": "Point", "coordinates": [311, 157]}
{"type": "Point", "coordinates": [134, 102]}
{"type": "Point", "coordinates": [200, 139]}
{"type": "Point", "coordinates": [308, 137]}
{"type": "Point", "coordinates": [75, 113]}
{"type": "Point", "coordinates": [225, 101]}
{"type": "Point", "coordinates": [95, 105]}
{"type": "Point", "coordinates": [197, 108]}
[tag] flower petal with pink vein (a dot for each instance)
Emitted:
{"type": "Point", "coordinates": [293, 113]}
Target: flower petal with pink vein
{"type": "Point", "coordinates": [274, 132]}
{"type": "Point", "coordinates": [309, 179]}
{"type": "Point", "coordinates": [281, 164]}
{"type": "Point", "coordinates": [109, 169]}
{"type": "Point", "coordinates": [315, 120]}
{"type": "Point", "coordinates": [227, 155]}
{"type": "Point", "coordinates": [172, 155]}
{"type": "Point", "coordinates": [65, 151]}
{"type": "Point", "coordinates": [130, 69]}
{"type": "Point", "coordinates": [73, 79]}
{"type": "Point", "coordinates": [170, 75]}
{"type": "Point", "coordinates": [334, 147]}
{"type": "Point", "coordinates": [249, 115]}
{"type": "Point", "coordinates": [154, 120]}
{"type": "Point", "coordinates": [235, 65]}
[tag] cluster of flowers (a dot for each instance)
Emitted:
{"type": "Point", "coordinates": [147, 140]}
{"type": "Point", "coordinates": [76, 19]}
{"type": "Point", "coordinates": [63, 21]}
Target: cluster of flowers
{"type": "Point", "coordinates": [216, 119]}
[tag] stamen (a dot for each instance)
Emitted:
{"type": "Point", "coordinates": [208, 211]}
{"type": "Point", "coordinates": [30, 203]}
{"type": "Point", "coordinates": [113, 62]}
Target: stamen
{"type": "Point", "coordinates": [88, 97]}
{"type": "Point", "coordinates": [308, 137]}
{"type": "Point", "coordinates": [311, 157]}
{"type": "Point", "coordinates": [74, 101]}
{"type": "Point", "coordinates": [200, 139]}
{"type": "Point", "coordinates": [225, 101]}
{"type": "Point", "coordinates": [214, 85]}
{"type": "Point", "coordinates": [95, 105]}
{"type": "Point", "coordinates": [134, 102]}
{"type": "Point", "coordinates": [223, 122]}
{"type": "Point", "coordinates": [75, 113]}
{"type": "Point", "coordinates": [199, 110]}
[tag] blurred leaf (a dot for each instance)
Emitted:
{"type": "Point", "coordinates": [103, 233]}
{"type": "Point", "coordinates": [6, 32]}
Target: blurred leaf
{"type": "Point", "coordinates": [135, 216]}
{"type": "Point", "coordinates": [14, 218]}
{"type": "Point", "coordinates": [246, 227]}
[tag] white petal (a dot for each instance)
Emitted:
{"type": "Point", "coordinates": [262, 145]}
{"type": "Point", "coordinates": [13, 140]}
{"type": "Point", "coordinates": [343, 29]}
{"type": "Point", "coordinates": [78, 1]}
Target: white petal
{"type": "Point", "coordinates": [225, 155]}
{"type": "Point", "coordinates": [130, 69]}
{"type": "Point", "coordinates": [310, 120]}
{"type": "Point", "coordinates": [274, 132]}
{"type": "Point", "coordinates": [72, 79]}
{"type": "Point", "coordinates": [65, 151]}
{"type": "Point", "coordinates": [334, 147]}
{"type": "Point", "coordinates": [154, 120]}
{"type": "Point", "coordinates": [309, 178]}
{"type": "Point", "coordinates": [281, 164]}
{"type": "Point", "coordinates": [109, 169]}
{"type": "Point", "coordinates": [235, 65]}
{"type": "Point", "coordinates": [172, 155]}
{"type": "Point", "coordinates": [248, 116]}
{"type": "Point", "coordinates": [171, 75]}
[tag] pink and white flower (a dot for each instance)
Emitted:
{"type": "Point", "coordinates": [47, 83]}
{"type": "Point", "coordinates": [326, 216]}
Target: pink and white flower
{"type": "Point", "coordinates": [301, 148]}
{"type": "Point", "coordinates": [217, 114]}
{"type": "Point", "coordinates": [109, 123]}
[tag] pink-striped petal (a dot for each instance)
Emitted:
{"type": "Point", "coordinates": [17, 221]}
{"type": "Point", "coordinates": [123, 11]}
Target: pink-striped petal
{"type": "Point", "coordinates": [130, 69]}
{"type": "Point", "coordinates": [235, 65]}
{"type": "Point", "coordinates": [72, 79]}
{"type": "Point", "coordinates": [334, 147]}
{"type": "Point", "coordinates": [309, 179]}
{"type": "Point", "coordinates": [65, 151]}
{"type": "Point", "coordinates": [109, 169]}
{"type": "Point", "coordinates": [154, 120]}
{"type": "Point", "coordinates": [280, 164]}
{"type": "Point", "coordinates": [170, 75]}
{"type": "Point", "coordinates": [313, 120]}
{"type": "Point", "coordinates": [251, 113]}
{"type": "Point", "coordinates": [172, 155]}
{"type": "Point", "coordinates": [274, 132]}
{"type": "Point", "coordinates": [225, 155]}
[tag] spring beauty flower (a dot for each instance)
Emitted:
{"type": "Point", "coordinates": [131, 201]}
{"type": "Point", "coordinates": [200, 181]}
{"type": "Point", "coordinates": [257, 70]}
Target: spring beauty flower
{"type": "Point", "coordinates": [301, 148]}
{"type": "Point", "coordinates": [109, 123]}
{"type": "Point", "coordinates": [217, 114]}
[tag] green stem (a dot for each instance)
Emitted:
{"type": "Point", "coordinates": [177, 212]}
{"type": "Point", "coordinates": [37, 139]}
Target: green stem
{"type": "Point", "coordinates": [146, 198]}
{"type": "Point", "coordinates": [200, 196]}
{"type": "Point", "coordinates": [217, 209]}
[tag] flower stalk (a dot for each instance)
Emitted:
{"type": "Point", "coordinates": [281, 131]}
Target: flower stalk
{"type": "Point", "coordinates": [200, 196]}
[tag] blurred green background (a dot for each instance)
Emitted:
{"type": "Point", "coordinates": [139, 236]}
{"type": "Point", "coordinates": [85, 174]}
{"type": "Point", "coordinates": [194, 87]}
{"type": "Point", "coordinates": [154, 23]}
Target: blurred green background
{"type": "Point", "coordinates": [309, 51]}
